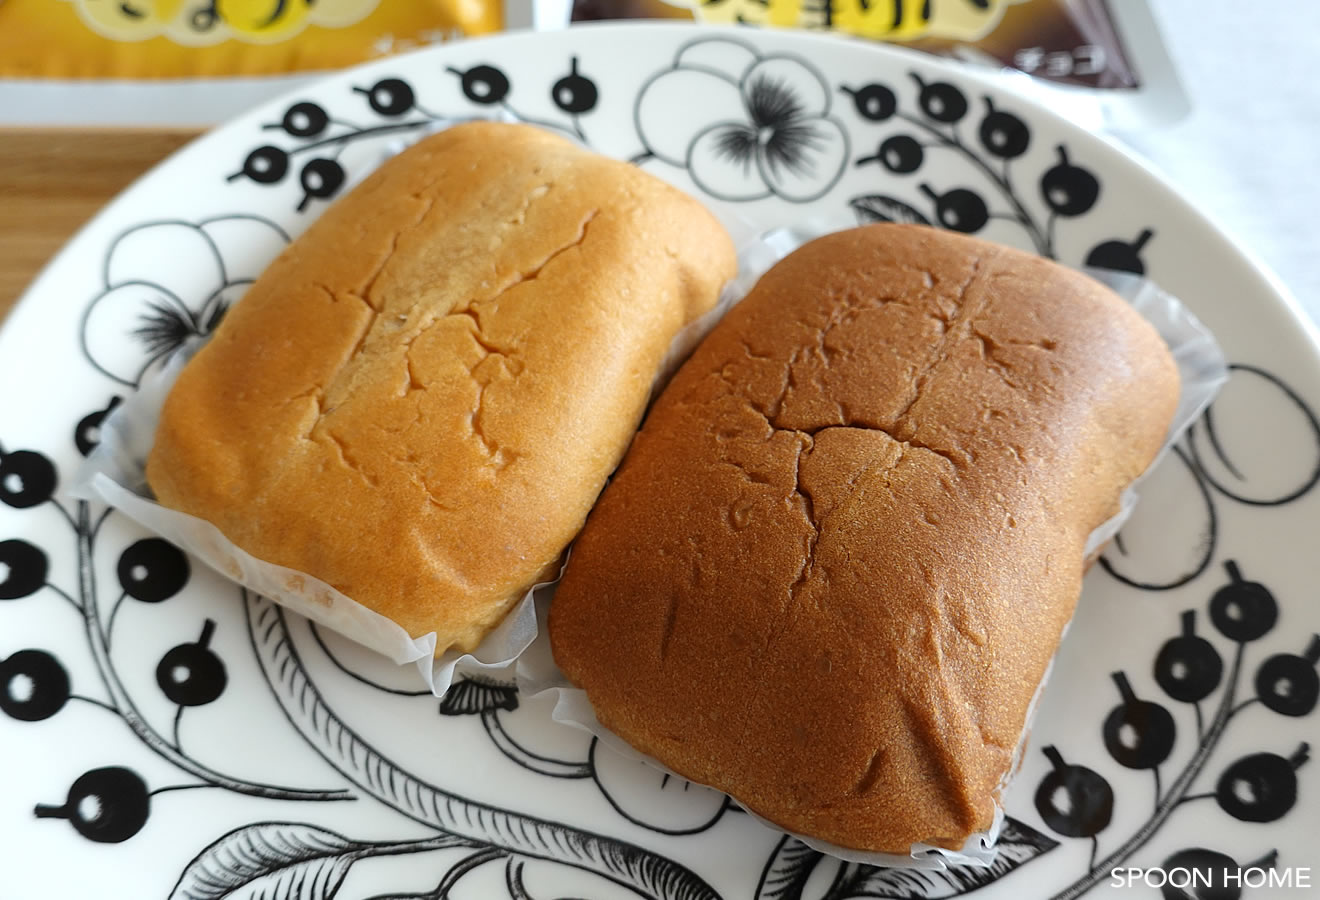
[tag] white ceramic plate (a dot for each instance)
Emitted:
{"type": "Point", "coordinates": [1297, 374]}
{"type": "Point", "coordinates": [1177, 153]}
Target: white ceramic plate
{"type": "Point", "coordinates": [164, 738]}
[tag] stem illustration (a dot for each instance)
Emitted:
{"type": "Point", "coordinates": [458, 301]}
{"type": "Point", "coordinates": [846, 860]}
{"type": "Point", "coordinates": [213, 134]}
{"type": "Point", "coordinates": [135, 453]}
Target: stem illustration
{"type": "Point", "coordinates": [126, 709]}
{"type": "Point", "coordinates": [1044, 246]}
{"type": "Point", "coordinates": [1172, 798]}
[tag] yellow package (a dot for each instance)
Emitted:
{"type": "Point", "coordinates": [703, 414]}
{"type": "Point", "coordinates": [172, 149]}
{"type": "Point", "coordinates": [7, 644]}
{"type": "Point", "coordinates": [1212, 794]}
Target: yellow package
{"type": "Point", "coordinates": [132, 39]}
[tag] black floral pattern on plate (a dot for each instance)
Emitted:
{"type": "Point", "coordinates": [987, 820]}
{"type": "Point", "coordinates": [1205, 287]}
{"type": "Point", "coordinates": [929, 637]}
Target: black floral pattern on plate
{"type": "Point", "coordinates": [765, 128]}
{"type": "Point", "coordinates": [166, 282]}
{"type": "Point", "coordinates": [1065, 190]}
{"type": "Point", "coordinates": [1205, 475]}
{"type": "Point", "coordinates": [315, 141]}
{"type": "Point", "coordinates": [1076, 802]}
{"type": "Point", "coordinates": [779, 136]}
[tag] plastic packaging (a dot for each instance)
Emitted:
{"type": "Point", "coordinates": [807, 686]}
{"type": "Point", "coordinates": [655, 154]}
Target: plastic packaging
{"type": "Point", "coordinates": [1203, 371]}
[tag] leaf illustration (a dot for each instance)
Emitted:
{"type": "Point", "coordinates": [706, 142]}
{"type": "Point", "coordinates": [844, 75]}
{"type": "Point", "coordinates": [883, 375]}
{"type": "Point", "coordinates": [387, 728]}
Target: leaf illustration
{"type": "Point", "coordinates": [879, 208]}
{"type": "Point", "coordinates": [787, 870]}
{"type": "Point", "coordinates": [458, 818]}
{"type": "Point", "coordinates": [271, 861]}
{"type": "Point", "coordinates": [283, 861]}
{"type": "Point", "coordinates": [1018, 844]}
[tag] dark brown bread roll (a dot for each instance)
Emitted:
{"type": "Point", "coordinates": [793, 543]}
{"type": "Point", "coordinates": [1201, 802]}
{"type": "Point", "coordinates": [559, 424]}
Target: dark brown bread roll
{"type": "Point", "coordinates": [836, 562]}
{"type": "Point", "coordinates": [420, 400]}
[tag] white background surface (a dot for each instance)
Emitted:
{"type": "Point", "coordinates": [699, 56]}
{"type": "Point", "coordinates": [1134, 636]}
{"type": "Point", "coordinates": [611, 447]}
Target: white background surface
{"type": "Point", "coordinates": [1249, 153]}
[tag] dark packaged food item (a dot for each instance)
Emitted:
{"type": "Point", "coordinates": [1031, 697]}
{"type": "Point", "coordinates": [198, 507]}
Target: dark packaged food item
{"type": "Point", "coordinates": [1104, 59]}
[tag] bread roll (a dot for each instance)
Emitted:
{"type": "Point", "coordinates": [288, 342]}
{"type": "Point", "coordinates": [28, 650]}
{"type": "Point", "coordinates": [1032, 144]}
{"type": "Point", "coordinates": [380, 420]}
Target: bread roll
{"type": "Point", "coordinates": [419, 401]}
{"type": "Point", "coordinates": [834, 566]}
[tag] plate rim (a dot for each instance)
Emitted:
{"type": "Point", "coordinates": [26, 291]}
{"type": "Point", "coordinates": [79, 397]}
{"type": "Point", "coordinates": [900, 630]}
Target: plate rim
{"type": "Point", "coordinates": [1273, 284]}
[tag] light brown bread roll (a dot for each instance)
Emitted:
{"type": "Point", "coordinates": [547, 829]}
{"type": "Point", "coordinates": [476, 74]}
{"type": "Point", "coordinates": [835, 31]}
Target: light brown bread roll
{"type": "Point", "coordinates": [836, 562]}
{"type": "Point", "coordinates": [420, 400]}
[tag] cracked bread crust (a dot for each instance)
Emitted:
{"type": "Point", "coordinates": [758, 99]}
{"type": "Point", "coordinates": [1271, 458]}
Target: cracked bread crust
{"type": "Point", "coordinates": [836, 562]}
{"type": "Point", "coordinates": [419, 401]}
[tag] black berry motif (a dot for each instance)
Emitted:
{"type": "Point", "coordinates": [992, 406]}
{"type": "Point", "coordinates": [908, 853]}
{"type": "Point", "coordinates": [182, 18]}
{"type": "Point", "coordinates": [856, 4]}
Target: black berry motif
{"type": "Point", "coordinates": [23, 569]}
{"type": "Point", "coordinates": [323, 176]}
{"type": "Point", "coordinates": [389, 96]}
{"type": "Point", "coordinates": [1188, 668]}
{"type": "Point", "coordinates": [1069, 190]}
{"type": "Point", "coordinates": [900, 154]}
{"type": "Point", "coordinates": [940, 100]}
{"type": "Point", "coordinates": [1121, 255]}
{"type": "Point", "coordinates": [153, 570]}
{"type": "Point", "coordinates": [959, 209]}
{"type": "Point", "coordinates": [1287, 683]}
{"type": "Point", "coordinates": [33, 686]}
{"type": "Point", "coordinates": [1197, 859]}
{"type": "Point", "coordinates": [1003, 134]}
{"type": "Point", "coordinates": [1221, 871]}
{"type": "Point", "coordinates": [874, 102]}
{"type": "Point", "coordinates": [575, 94]}
{"type": "Point", "coordinates": [265, 165]}
{"type": "Point", "coordinates": [1138, 734]}
{"type": "Point", "coordinates": [191, 674]}
{"type": "Point", "coordinates": [112, 804]}
{"type": "Point", "coordinates": [1261, 787]}
{"type": "Point", "coordinates": [305, 120]}
{"type": "Point", "coordinates": [87, 434]}
{"type": "Point", "coordinates": [1074, 801]}
{"type": "Point", "coordinates": [27, 479]}
{"type": "Point", "coordinates": [1003, 137]}
{"type": "Point", "coordinates": [321, 179]}
{"type": "Point", "coordinates": [107, 805]}
{"type": "Point", "coordinates": [1243, 610]}
{"type": "Point", "coordinates": [483, 84]}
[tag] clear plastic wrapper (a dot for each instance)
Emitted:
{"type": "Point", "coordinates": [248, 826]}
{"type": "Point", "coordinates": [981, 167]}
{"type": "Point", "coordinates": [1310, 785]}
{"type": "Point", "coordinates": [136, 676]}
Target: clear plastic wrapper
{"type": "Point", "coordinates": [1202, 369]}
{"type": "Point", "coordinates": [114, 473]}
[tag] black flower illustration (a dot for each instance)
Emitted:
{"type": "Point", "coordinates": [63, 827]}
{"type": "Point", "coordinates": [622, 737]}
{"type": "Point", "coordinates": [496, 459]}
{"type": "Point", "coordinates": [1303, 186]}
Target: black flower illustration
{"type": "Point", "coordinates": [166, 282]}
{"type": "Point", "coordinates": [765, 128]}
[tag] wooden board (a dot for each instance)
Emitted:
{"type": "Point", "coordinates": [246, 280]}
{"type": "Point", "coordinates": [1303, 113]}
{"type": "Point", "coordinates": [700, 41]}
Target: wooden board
{"type": "Point", "coordinates": [54, 180]}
